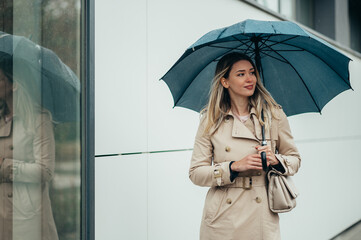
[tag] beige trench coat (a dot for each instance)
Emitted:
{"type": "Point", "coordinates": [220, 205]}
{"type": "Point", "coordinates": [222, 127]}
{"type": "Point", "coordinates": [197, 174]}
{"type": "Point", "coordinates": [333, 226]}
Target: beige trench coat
{"type": "Point", "coordinates": [236, 210]}
{"type": "Point", "coordinates": [25, 172]}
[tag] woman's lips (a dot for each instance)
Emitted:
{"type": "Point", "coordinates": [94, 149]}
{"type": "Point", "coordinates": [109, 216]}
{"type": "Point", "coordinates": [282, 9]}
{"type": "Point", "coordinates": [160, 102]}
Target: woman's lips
{"type": "Point", "coordinates": [249, 87]}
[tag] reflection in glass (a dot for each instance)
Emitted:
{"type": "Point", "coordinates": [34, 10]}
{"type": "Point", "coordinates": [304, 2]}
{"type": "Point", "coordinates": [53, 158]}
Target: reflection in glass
{"type": "Point", "coordinates": [27, 158]}
{"type": "Point", "coordinates": [39, 120]}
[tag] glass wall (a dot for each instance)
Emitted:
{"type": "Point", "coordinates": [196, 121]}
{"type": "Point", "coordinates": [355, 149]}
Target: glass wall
{"type": "Point", "coordinates": [40, 127]}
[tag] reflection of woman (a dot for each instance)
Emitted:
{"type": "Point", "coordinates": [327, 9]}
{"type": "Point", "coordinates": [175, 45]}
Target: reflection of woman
{"type": "Point", "coordinates": [229, 135]}
{"type": "Point", "coordinates": [27, 153]}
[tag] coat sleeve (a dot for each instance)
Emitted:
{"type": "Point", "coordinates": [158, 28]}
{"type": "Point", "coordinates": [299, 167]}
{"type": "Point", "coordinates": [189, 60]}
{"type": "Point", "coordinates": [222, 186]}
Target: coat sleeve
{"type": "Point", "coordinates": [287, 151]}
{"type": "Point", "coordinates": [42, 170]}
{"type": "Point", "coordinates": [202, 172]}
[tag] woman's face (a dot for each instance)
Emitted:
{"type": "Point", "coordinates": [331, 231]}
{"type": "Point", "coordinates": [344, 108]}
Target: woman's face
{"type": "Point", "coordinates": [241, 81]}
{"type": "Point", "coordinates": [5, 86]}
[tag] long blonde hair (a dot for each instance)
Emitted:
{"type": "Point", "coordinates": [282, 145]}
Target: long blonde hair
{"type": "Point", "coordinates": [219, 102]}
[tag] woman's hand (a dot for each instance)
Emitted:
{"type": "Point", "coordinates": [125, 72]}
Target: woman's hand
{"type": "Point", "coordinates": [271, 158]}
{"type": "Point", "coordinates": [250, 162]}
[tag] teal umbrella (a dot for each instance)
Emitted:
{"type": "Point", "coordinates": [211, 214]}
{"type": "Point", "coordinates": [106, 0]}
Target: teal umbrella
{"type": "Point", "coordinates": [302, 72]}
{"type": "Point", "coordinates": [49, 81]}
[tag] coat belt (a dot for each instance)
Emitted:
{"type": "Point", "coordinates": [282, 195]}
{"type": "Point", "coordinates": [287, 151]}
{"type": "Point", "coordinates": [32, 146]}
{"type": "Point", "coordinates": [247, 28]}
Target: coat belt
{"type": "Point", "coordinates": [248, 182]}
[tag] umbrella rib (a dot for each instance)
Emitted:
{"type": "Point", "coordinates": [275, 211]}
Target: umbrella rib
{"type": "Point", "coordinates": [288, 44]}
{"type": "Point", "coordinates": [223, 47]}
{"type": "Point", "coordinates": [271, 50]}
{"type": "Point", "coordinates": [221, 33]}
{"type": "Point", "coordinates": [348, 84]}
{"type": "Point", "coordinates": [249, 46]}
{"type": "Point", "coordinates": [286, 50]}
{"type": "Point", "coordinates": [281, 60]}
{"type": "Point", "coordinates": [308, 90]}
{"type": "Point", "coordinates": [234, 48]}
{"type": "Point", "coordinates": [245, 43]}
{"type": "Point", "coordinates": [282, 42]}
{"type": "Point", "coordinates": [237, 47]}
{"type": "Point", "coordinates": [262, 43]}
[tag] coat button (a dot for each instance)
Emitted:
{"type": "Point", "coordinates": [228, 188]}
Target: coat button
{"type": "Point", "coordinates": [258, 200]}
{"type": "Point", "coordinates": [226, 119]}
{"type": "Point", "coordinates": [229, 201]}
{"type": "Point", "coordinates": [10, 195]}
{"type": "Point", "coordinates": [11, 147]}
{"type": "Point", "coordinates": [259, 173]}
{"type": "Point", "coordinates": [228, 149]}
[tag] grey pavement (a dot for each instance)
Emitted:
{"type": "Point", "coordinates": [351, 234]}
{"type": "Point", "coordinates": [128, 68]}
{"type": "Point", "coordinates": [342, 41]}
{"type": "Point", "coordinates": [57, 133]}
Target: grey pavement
{"type": "Point", "coordinates": [351, 233]}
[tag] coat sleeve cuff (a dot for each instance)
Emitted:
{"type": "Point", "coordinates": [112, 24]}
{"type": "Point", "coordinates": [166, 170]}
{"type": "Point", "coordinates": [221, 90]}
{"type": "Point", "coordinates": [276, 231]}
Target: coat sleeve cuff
{"type": "Point", "coordinates": [289, 163]}
{"type": "Point", "coordinates": [221, 174]}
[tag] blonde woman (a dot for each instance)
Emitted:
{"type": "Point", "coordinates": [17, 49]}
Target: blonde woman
{"type": "Point", "coordinates": [226, 155]}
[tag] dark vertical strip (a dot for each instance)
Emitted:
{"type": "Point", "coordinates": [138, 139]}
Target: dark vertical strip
{"type": "Point", "coordinates": [87, 119]}
{"type": "Point", "coordinates": [6, 16]}
{"type": "Point", "coordinates": [2, 15]}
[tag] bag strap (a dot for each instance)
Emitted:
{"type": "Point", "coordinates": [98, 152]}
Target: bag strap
{"type": "Point", "coordinates": [264, 143]}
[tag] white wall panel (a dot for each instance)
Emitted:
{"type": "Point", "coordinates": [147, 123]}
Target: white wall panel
{"type": "Point", "coordinates": [121, 197]}
{"type": "Point", "coordinates": [172, 27]}
{"type": "Point", "coordinates": [175, 204]}
{"type": "Point", "coordinates": [120, 76]}
{"type": "Point", "coordinates": [330, 194]}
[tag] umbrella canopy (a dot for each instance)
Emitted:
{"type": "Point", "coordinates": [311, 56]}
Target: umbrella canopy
{"type": "Point", "coordinates": [48, 80]}
{"type": "Point", "coordinates": [301, 71]}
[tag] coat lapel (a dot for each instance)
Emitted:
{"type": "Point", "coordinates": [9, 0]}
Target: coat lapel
{"type": "Point", "coordinates": [239, 130]}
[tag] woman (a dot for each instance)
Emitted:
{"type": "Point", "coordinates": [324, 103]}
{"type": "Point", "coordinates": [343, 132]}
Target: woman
{"type": "Point", "coordinates": [226, 155]}
{"type": "Point", "coordinates": [27, 159]}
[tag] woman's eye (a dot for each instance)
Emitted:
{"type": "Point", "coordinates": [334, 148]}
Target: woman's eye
{"type": "Point", "coordinates": [252, 73]}
{"type": "Point", "coordinates": [241, 74]}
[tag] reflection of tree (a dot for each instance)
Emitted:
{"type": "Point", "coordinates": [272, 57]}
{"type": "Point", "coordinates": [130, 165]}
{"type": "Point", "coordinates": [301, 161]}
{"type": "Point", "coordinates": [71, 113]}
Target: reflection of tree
{"type": "Point", "coordinates": [61, 30]}
{"type": "Point", "coordinates": [61, 33]}
{"type": "Point", "coordinates": [6, 16]}
{"type": "Point", "coordinates": [54, 24]}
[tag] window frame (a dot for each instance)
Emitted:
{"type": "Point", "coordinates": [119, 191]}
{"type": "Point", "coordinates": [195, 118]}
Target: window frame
{"type": "Point", "coordinates": [87, 117]}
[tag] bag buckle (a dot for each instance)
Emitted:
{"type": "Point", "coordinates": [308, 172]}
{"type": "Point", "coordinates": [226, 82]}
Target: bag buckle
{"type": "Point", "coordinates": [244, 186]}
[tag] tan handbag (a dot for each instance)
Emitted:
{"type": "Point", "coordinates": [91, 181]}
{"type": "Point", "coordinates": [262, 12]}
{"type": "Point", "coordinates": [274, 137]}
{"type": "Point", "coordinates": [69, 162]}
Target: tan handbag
{"type": "Point", "coordinates": [282, 193]}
